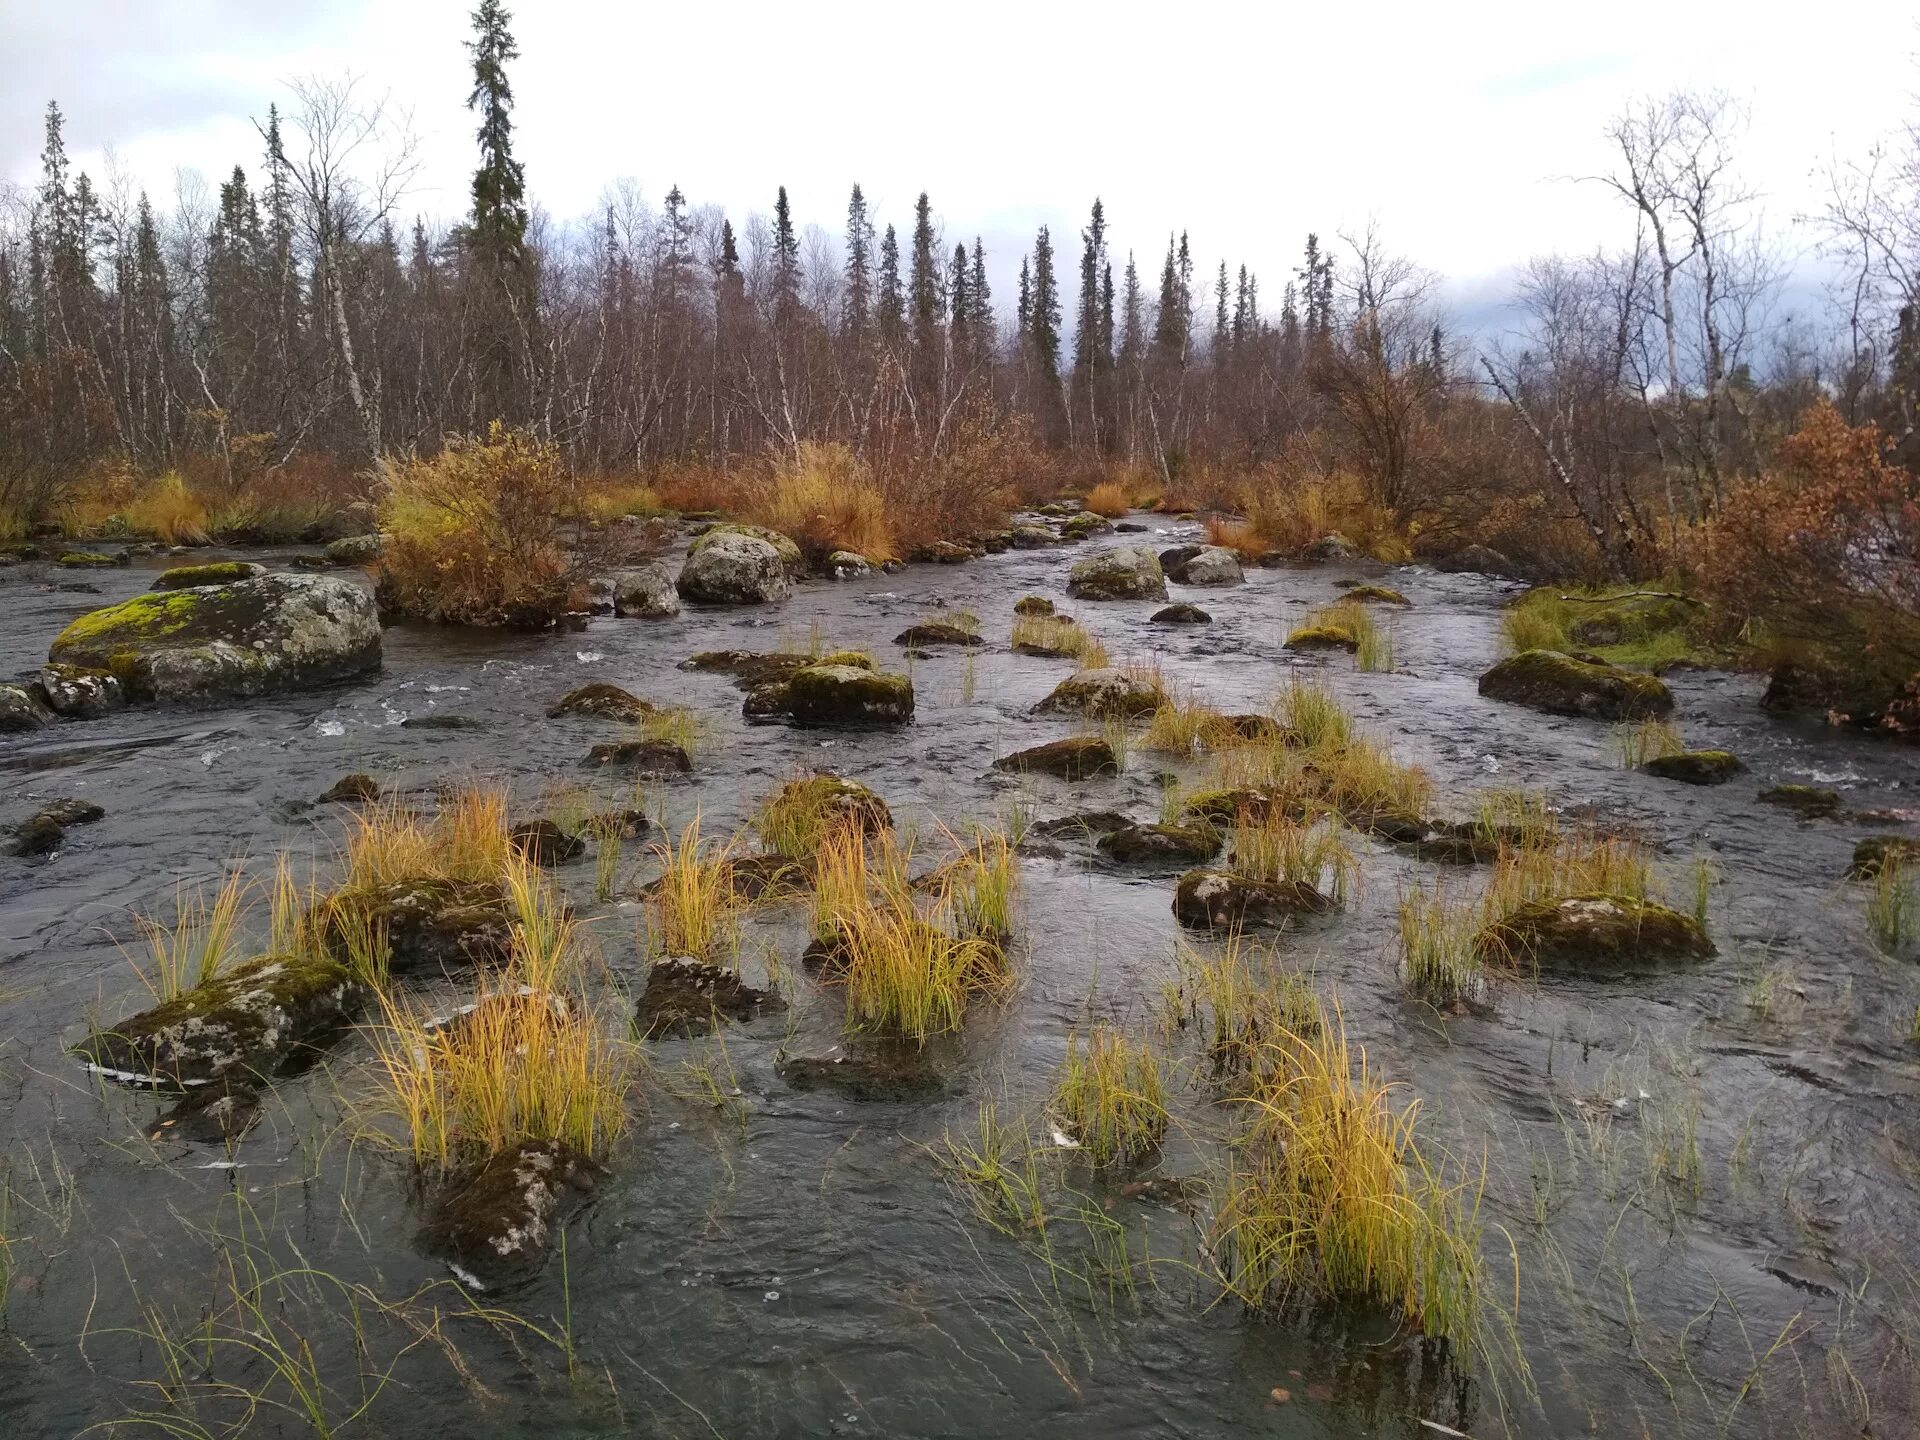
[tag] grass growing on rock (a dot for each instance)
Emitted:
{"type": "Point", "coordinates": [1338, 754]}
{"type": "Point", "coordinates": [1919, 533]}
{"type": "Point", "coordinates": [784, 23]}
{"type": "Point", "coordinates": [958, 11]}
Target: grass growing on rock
{"type": "Point", "coordinates": [1633, 627]}
{"type": "Point", "coordinates": [1058, 635]}
{"type": "Point", "coordinates": [202, 939]}
{"type": "Point", "coordinates": [693, 908]}
{"type": "Point", "coordinates": [1439, 957]}
{"type": "Point", "coordinates": [468, 838]}
{"type": "Point", "coordinates": [1111, 1095]}
{"type": "Point", "coordinates": [1270, 846]}
{"type": "Point", "coordinates": [1893, 905]}
{"type": "Point", "coordinates": [797, 818]}
{"type": "Point", "coordinates": [1638, 741]}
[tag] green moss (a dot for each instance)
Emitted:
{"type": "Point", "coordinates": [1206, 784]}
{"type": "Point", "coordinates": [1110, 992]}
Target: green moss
{"type": "Point", "coordinates": [795, 817]}
{"type": "Point", "coordinates": [1322, 637]}
{"type": "Point", "coordinates": [86, 560]}
{"type": "Point", "coordinates": [1079, 757]}
{"type": "Point", "coordinates": [1379, 594]}
{"type": "Point", "coordinates": [858, 659]}
{"type": "Point", "coordinates": [847, 694]}
{"type": "Point", "coordinates": [1696, 767]}
{"type": "Point", "coordinates": [144, 617]}
{"type": "Point", "coordinates": [1561, 685]}
{"type": "Point", "coordinates": [222, 572]}
{"type": "Point", "coordinates": [1809, 800]}
{"type": "Point", "coordinates": [1623, 626]}
{"type": "Point", "coordinates": [1595, 930]}
{"type": "Point", "coordinates": [1033, 605]}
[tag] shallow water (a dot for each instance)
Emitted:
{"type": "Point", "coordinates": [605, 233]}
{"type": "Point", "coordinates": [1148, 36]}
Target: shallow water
{"type": "Point", "coordinates": [809, 1270]}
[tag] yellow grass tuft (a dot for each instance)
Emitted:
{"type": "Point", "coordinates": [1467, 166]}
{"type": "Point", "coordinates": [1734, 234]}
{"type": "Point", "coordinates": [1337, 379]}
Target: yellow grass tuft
{"type": "Point", "coordinates": [1111, 1096]}
{"type": "Point", "coordinates": [693, 909]}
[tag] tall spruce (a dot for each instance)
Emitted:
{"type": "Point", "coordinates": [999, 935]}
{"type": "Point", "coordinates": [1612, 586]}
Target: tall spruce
{"type": "Point", "coordinates": [499, 185]}
{"type": "Point", "coordinates": [786, 262]}
{"type": "Point", "coordinates": [856, 311]}
{"type": "Point", "coordinates": [927, 302]}
{"type": "Point", "coordinates": [893, 301]}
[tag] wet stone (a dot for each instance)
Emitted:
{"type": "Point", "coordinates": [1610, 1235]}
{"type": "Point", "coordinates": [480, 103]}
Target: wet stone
{"type": "Point", "coordinates": [355, 789]}
{"type": "Point", "coordinates": [1033, 605]}
{"type": "Point", "coordinates": [1877, 852]}
{"type": "Point", "coordinates": [1596, 931]}
{"type": "Point", "coordinates": [1695, 767]}
{"type": "Point", "coordinates": [1220, 900]}
{"type": "Point", "coordinates": [1102, 693]}
{"type": "Point", "coordinates": [1566, 685]}
{"type": "Point", "coordinates": [1182, 614]}
{"type": "Point", "coordinates": [497, 1220]}
{"type": "Point", "coordinates": [601, 701]}
{"type": "Point", "coordinates": [544, 843]}
{"type": "Point", "coordinates": [922, 636]}
{"type": "Point", "coordinates": [441, 722]}
{"type": "Point", "coordinates": [685, 996]}
{"type": "Point", "coordinates": [79, 693]}
{"type": "Point", "coordinates": [1078, 757]}
{"type": "Point", "coordinates": [657, 759]}
{"type": "Point", "coordinates": [875, 1072]}
{"type": "Point", "coordinates": [1811, 801]}
{"type": "Point", "coordinates": [23, 708]}
{"type": "Point", "coordinates": [1171, 845]}
{"type": "Point", "coordinates": [432, 926]}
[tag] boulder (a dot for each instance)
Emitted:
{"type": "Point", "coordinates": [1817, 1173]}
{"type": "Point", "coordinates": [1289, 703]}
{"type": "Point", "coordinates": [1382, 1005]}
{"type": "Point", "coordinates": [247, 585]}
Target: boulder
{"type": "Point", "coordinates": [1084, 523]}
{"type": "Point", "coordinates": [39, 834]}
{"type": "Point", "coordinates": [1474, 560]}
{"type": "Point", "coordinates": [1210, 565]}
{"type": "Point", "coordinates": [79, 693]}
{"type": "Point", "coordinates": [1322, 637]}
{"type": "Point", "coordinates": [1125, 572]}
{"type": "Point", "coordinates": [1172, 558]}
{"type": "Point", "coordinates": [645, 592]}
{"type": "Point", "coordinates": [750, 668]}
{"type": "Point", "coordinates": [1696, 767]}
{"type": "Point", "coordinates": [808, 807]}
{"type": "Point", "coordinates": [728, 567]}
{"type": "Point", "coordinates": [1161, 844]}
{"type": "Point", "coordinates": [1810, 801]}
{"type": "Point", "coordinates": [943, 552]}
{"type": "Point", "coordinates": [255, 637]}
{"type": "Point", "coordinates": [1078, 757]}
{"type": "Point", "coordinates": [1595, 930]}
{"type": "Point", "coordinates": [219, 572]}
{"type": "Point", "coordinates": [1182, 614]}
{"type": "Point", "coordinates": [601, 701]}
{"type": "Point", "coordinates": [353, 550]}
{"type": "Point", "coordinates": [1033, 605]}
{"type": "Point", "coordinates": [1375, 595]}
{"type": "Point", "coordinates": [496, 1221]}
{"type": "Point", "coordinates": [881, 1070]}
{"type": "Point", "coordinates": [1220, 900]}
{"type": "Point", "coordinates": [685, 996]}
{"type": "Point", "coordinates": [1561, 685]}
{"type": "Point", "coordinates": [544, 843]}
{"type": "Point", "coordinates": [1102, 692]}
{"type": "Point", "coordinates": [71, 811]}
{"type": "Point", "coordinates": [647, 759]}
{"type": "Point", "coordinates": [23, 708]}
{"type": "Point", "coordinates": [1031, 537]}
{"type": "Point", "coordinates": [791, 558]}
{"type": "Point", "coordinates": [1877, 852]}
{"type": "Point", "coordinates": [432, 926]}
{"type": "Point", "coordinates": [846, 565]}
{"type": "Point", "coordinates": [435, 720]}
{"type": "Point", "coordinates": [258, 1020]}
{"type": "Point", "coordinates": [920, 637]}
{"type": "Point", "coordinates": [353, 789]}
{"type": "Point", "coordinates": [848, 695]}
{"type": "Point", "coordinates": [92, 560]}
{"type": "Point", "coordinates": [1334, 546]}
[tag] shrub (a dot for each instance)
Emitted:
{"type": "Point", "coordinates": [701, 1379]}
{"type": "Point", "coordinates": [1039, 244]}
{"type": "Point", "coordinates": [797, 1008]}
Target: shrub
{"type": "Point", "coordinates": [473, 534]}
{"type": "Point", "coordinates": [170, 512]}
{"type": "Point", "coordinates": [1108, 498]}
{"type": "Point", "coordinates": [965, 489]}
{"type": "Point", "coordinates": [824, 497]}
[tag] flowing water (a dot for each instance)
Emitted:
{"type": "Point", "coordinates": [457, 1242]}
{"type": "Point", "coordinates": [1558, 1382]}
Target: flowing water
{"type": "Point", "coordinates": [1700, 1183]}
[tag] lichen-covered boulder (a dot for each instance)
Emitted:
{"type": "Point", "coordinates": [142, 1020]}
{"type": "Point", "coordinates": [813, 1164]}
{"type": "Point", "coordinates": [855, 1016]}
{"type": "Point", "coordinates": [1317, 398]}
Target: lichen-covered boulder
{"type": "Point", "coordinates": [601, 701]}
{"type": "Point", "coordinates": [92, 560]}
{"type": "Point", "coordinates": [1561, 685]}
{"type": "Point", "coordinates": [848, 695]}
{"type": "Point", "coordinates": [254, 637]}
{"type": "Point", "coordinates": [1877, 852]}
{"type": "Point", "coordinates": [645, 592]}
{"type": "Point", "coordinates": [79, 693]}
{"type": "Point", "coordinates": [1696, 767]}
{"type": "Point", "coordinates": [1078, 757]}
{"type": "Point", "coordinates": [1161, 844]}
{"type": "Point", "coordinates": [1221, 900]}
{"type": "Point", "coordinates": [23, 708]}
{"type": "Point", "coordinates": [353, 550]}
{"type": "Point", "coordinates": [497, 1221]}
{"type": "Point", "coordinates": [1181, 614]}
{"type": "Point", "coordinates": [1174, 556]}
{"type": "Point", "coordinates": [791, 557]}
{"type": "Point", "coordinates": [432, 926]}
{"type": "Point", "coordinates": [1084, 523]}
{"type": "Point", "coordinates": [1033, 605]}
{"type": "Point", "coordinates": [1322, 637]}
{"type": "Point", "coordinates": [1029, 536]}
{"type": "Point", "coordinates": [1595, 930]}
{"type": "Point", "coordinates": [729, 567]}
{"type": "Point", "coordinates": [937, 633]}
{"type": "Point", "coordinates": [258, 1020]}
{"type": "Point", "coordinates": [1209, 565]}
{"type": "Point", "coordinates": [1125, 572]}
{"type": "Point", "coordinates": [1810, 801]}
{"type": "Point", "coordinates": [218, 572]}
{"type": "Point", "coordinates": [846, 565]}
{"type": "Point", "coordinates": [1102, 692]}
{"type": "Point", "coordinates": [647, 759]}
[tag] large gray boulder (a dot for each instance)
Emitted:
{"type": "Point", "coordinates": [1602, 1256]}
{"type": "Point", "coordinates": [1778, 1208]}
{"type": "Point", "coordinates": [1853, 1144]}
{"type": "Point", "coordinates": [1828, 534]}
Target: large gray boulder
{"type": "Point", "coordinates": [730, 567]}
{"type": "Point", "coordinates": [1209, 565]}
{"type": "Point", "coordinates": [646, 591]}
{"type": "Point", "coordinates": [23, 707]}
{"type": "Point", "coordinates": [252, 637]}
{"type": "Point", "coordinates": [1125, 572]}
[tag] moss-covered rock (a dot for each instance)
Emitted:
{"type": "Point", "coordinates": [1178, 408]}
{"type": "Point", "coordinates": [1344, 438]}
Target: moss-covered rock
{"type": "Point", "coordinates": [354, 550]}
{"type": "Point", "coordinates": [801, 811]}
{"type": "Point", "coordinates": [91, 560]}
{"type": "Point", "coordinates": [38, 834]}
{"type": "Point", "coordinates": [23, 708]}
{"type": "Point", "coordinates": [1877, 852]}
{"type": "Point", "coordinates": [792, 560]}
{"type": "Point", "coordinates": [1208, 565]}
{"type": "Point", "coordinates": [1811, 801]}
{"type": "Point", "coordinates": [601, 701]}
{"type": "Point", "coordinates": [1331, 546]}
{"type": "Point", "coordinates": [1595, 931]}
{"type": "Point", "coordinates": [1078, 757]}
{"type": "Point", "coordinates": [1322, 637]}
{"type": "Point", "coordinates": [1696, 767]}
{"type": "Point", "coordinates": [254, 637]}
{"type": "Point", "coordinates": [218, 572]}
{"type": "Point", "coordinates": [497, 1220]}
{"type": "Point", "coordinates": [79, 693]}
{"type": "Point", "coordinates": [848, 695]}
{"type": "Point", "coordinates": [1125, 572]}
{"type": "Point", "coordinates": [432, 926]}
{"type": "Point", "coordinates": [1031, 537]}
{"type": "Point", "coordinates": [943, 552]}
{"type": "Point", "coordinates": [923, 636]}
{"type": "Point", "coordinates": [1376, 595]}
{"type": "Point", "coordinates": [1219, 900]}
{"type": "Point", "coordinates": [1102, 693]}
{"type": "Point", "coordinates": [1161, 844]}
{"type": "Point", "coordinates": [1033, 605]}
{"type": "Point", "coordinates": [1630, 617]}
{"type": "Point", "coordinates": [1222, 807]}
{"type": "Point", "coordinates": [1083, 524]}
{"type": "Point", "coordinates": [646, 759]}
{"type": "Point", "coordinates": [261, 1019]}
{"type": "Point", "coordinates": [355, 789]}
{"type": "Point", "coordinates": [731, 567]}
{"type": "Point", "coordinates": [1182, 614]}
{"type": "Point", "coordinates": [1561, 685]}
{"type": "Point", "coordinates": [685, 996]}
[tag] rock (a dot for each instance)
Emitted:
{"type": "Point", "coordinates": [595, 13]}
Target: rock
{"type": "Point", "coordinates": [353, 789]}
{"type": "Point", "coordinates": [1224, 807]}
{"type": "Point", "coordinates": [38, 835]}
{"type": "Point", "coordinates": [1561, 685]}
{"type": "Point", "coordinates": [1475, 560]}
{"type": "Point", "coordinates": [655, 759]}
{"type": "Point", "coordinates": [731, 568]}
{"type": "Point", "coordinates": [1031, 537]}
{"type": "Point", "coordinates": [791, 558]}
{"type": "Point", "coordinates": [70, 811]}
{"type": "Point", "coordinates": [354, 550]}
{"type": "Point", "coordinates": [309, 562]}
{"type": "Point", "coordinates": [1125, 572]}
{"type": "Point", "coordinates": [921, 636]}
{"type": "Point", "coordinates": [23, 708]}
{"type": "Point", "coordinates": [91, 560]}
{"type": "Point", "coordinates": [820, 803]}
{"type": "Point", "coordinates": [1220, 900]}
{"type": "Point", "coordinates": [848, 695]}
{"type": "Point", "coordinates": [273, 633]}
{"type": "Point", "coordinates": [432, 926]}
{"type": "Point", "coordinates": [1182, 614]}
{"type": "Point", "coordinates": [1079, 526]}
{"type": "Point", "coordinates": [845, 565]}
{"type": "Point", "coordinates": [601, 701]}
{"type": "Point", "coordinates": [1129, 527]}
{"type": "Point", "coordinates": [1033, 605]}
{"type": "Point", "coordinates": [684, 996]}
{"type": "Point", "coordinates": [750, 668]}
{"type": "Point", "coordinates": [1078, 757]}
{"type": "Point", "coordinates": [1696, 767]}
{"type": "Point", "coordinates": [1810, 801]}
{"type": "Point", "coordinates": [881, 1071]}
{"type": "Point", "coordinates": [1084, 824]}
{"type": "Point", "coordinates": [1376, 595]}
{"type": "Point", "coordinates": [766, 702]}
{"type": "Point", "coordinates": [261, 1019]}
{"type": "Point", "coordinates": [1322, 637]}
{"type": "Point", "coordinates": [1210, 565]}
{"type": "Point", "coordinates": [1334, 546]}
{"type": "Point", "coordinates": [1172, 558]}
{"type": "Point", "coordinates": [1102, 692]}
{"type": "Point", "coordinates": [436, 721]}
{"type": "Point", "coordinates": [81, 694]}
{"type": "Point", "coordinates": [220, 572]}
{"type": "Point", "coordinates": [627, 823]}
{"type": "Point", "coordinates": [1584, 930]}
{"type": "Point", "coordinates": [1058, 509]}
{"type": "Point", "coordinates": [943, 552]}
{"type": "Point", "coordinates": [1161, 844]}
{"type": "Point", "coordinates": [498, 1220]}
{"type": "Point", "coordinates": [645, 592]}
{"type": "Point", "coordinates": [545, 843]}
{"type": "Point", "coordinates": [1877, 852]}
{"type": "Point", "coordinates": [1253, 726]}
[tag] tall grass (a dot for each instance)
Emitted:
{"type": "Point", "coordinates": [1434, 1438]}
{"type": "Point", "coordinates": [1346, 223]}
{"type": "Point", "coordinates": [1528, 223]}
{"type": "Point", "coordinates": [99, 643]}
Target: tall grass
{"type": "Point", "coordinates": [1244, 997]}
{"type": "Point", "coordinates": [1439, 956]}
{"type": "Point", "coordinates": [466, 839]}
{"type": "Point", "coordinates": [1315, 715]}
{"type": "Point", "coordinates": [170, 512]}
{"type": "Point", "coordinates": [1638, 741]}
{"type": "Point", "coordinates": [693, 909]}
{"type": "Point", "coordinates": [1111, 1095]}
{"type": "Point", "coordinates": [1058, 635]}
{"type": "Point", "coordinates": [198, 942]}
{"type": "Point", "coordinates": [1272, 847]}
{"type": "Point", "coordinates": [797, 818]}
{"type": "Point", "coordinates": [1893, 907]}
{"type": "Point", "coordinates": [824, 497]}
{"type": "Point", "coordinates": [980, 881]}
{"type": "Point", "coordinates": [1108, 498]}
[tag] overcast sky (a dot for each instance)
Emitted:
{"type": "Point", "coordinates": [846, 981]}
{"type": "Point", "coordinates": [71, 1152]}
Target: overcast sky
{"type": "Point", "coordinates": [1458, 129]}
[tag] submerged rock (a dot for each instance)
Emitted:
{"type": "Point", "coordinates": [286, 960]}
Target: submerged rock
{"type": "Point", "coordinates": [1810, 801]}
{"type": "Point", "coordinates": [601, 701]}
{"type": "Point", "coordinates": [645, 758]}
{"type": "Point", "coordinates": [645, 592]}
{"type": "Point", "coordinates": [1583, 930]}
{"type": "Point", "coordinates": [1696, 767]}
{"type": "Point", "coordinates": [1078, 757]}
{"type": "Point", "coordinates": [1322, 637]}
{"type": "Point", "coordinates": [1161, 844]}
{"type": "Point", "coordinates": [685, 996]}
{"type": "Point", "coordinates": [732, 568]}
{"type": "Point", "coordinates": [23, 708]}
{"type": "Point", "coordinates": [749, 668]}
{"type": "Point", "coordinates": [848, 695]}
{"type": "Point", "coordinates": [1126, 572]}
{"type": "Point", "coordinates": [355, 789]}
{"type": "Point", "coordinates": [1102, 692]}
{"type": "Point", "coordinates": [882, 1071]}
{"type": "Point", "coordinates": [545, 843]}
{"type": "Point", "coordinates": [70, 811]}
{"type": "Point", "coordinates": [1474, 560]}
{"type": "Point", "coordinates": [1877, 852]}
{"type": "Point", "coordinates": [437, 721]}
{"type": "Point", "coordinates": [1182, 614]}
{"type": "Point", "coordinates": [1208, 565]}
{"type": "Point", "coordinates": [255, 637]}
{"type": "Point", "coordinates": [1562, 685]}
{"type": "Point", "coordinates": [1033, 605]}
{"type": "Point", "coordinates": [219, 572]}
{"type": "Point", "coordinates": [1376, 595]}
{"type": "Point", "coordinates": [260, 1019]}
{"type": "Point", "coordinates": [1221, 900]}
{"type": "Point", "coordinates": [432, 926]}
{"type": "Point", "coordinates": [37, 835]}
{"type": "Point", "coordinates": [498, 1220]}
{"type": "Point", "coordinates": [921, 636]}
{"type": "Point", "coordinates": [79, 693]}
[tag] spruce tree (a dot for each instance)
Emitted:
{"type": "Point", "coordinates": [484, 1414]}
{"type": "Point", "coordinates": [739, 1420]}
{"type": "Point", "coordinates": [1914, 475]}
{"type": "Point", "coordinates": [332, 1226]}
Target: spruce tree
{"type": "Point", "coordinates": [927, 302]}
{"type": "Point", "coordinates": [893, 303]}
{"type": "Point", "coordinates": [786, 261]}
{"type": "Point", "coordinates": [982, 300]}
{"type": "Point", "coordinates": [960, 324]}
{"type": "Point", "coordinates": [858, 308]}
{"type": "Point", "coordinates": [1220, 322]}
{"type": "Point", "coordinates": [1023, 307]}
{"type": "Point", "coordinates": [499, 185]}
